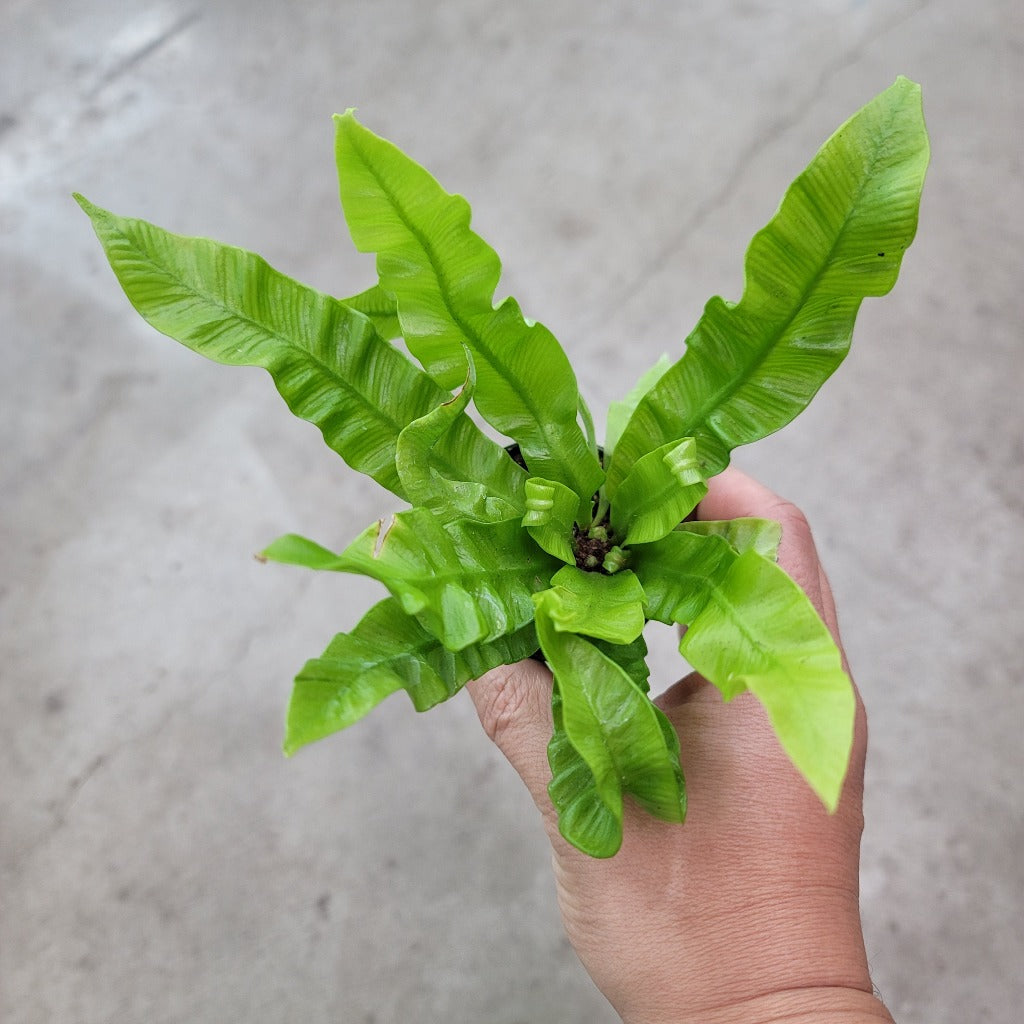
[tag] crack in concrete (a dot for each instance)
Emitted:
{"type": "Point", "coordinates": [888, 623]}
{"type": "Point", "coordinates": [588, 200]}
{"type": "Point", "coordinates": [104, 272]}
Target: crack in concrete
{"type": "Point", "coordinates": [141, 52]}
{"type": "Point", "coordinates": [60, 808]}
{"type": "Point", "coordinates": [746, 158]}
{"type": "Point", "coordinates": [52, 143]}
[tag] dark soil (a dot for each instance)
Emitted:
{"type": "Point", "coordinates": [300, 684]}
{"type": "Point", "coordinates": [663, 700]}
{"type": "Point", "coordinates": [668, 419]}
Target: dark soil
{"type": "Point", "coordinates": [590, 551]}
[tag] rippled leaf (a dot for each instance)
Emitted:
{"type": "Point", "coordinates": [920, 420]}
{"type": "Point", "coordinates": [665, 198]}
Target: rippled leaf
{"type": "Point", "coordinates": [492, 486]}
{"type": "Point", "coordinates": [678, 571]}
{"type": "Point", "coordinates": [468, 582]}
{"type": "Point", "coordinates": [624, 741]}
{"type": "Point", "coordinates": [443, 277]}
{"type": "Point", "coordinates": [551, 510]}
{"type": "Point", "coordinates": [605, 607]}
{"type": "Point", "coordinates": [659, 492]}
{"type": "Point", "coordinates": [386, 652]}
{"type": "Point", "coordinates": [758, 631]}
{"type": "Point", "coordinates": [327, 361]}
{"type": "Point", "coordinates": [838, 237]}
{"type": "Point", "coordinates": [761, 535]}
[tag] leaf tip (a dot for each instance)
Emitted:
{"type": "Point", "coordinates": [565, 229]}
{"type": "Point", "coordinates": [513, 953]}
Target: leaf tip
{"type": "Point", "coordinates": [290, 745]}
{"type": "Point", "coordinates": [349, 117]}
{"type": "Point", "coordinates": [295, 737]}
{"type": "Point", "coordinates": [828, 791]}
{"type": "Point", "coordinates": [907, 83]}
{"type": "Point", "coordinates": [91, 209]}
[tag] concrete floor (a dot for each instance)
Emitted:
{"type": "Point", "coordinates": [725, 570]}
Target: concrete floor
{"type": "Point", "coordinates": [159, 860]}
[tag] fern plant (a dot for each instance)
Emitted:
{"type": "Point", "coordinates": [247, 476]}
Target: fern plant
{"type": "Point", "coordinates": [554, 542]}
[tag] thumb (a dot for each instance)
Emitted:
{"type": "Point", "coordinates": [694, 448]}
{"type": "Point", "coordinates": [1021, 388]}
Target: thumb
{"type": "Point", "coordinates": [514, 705]}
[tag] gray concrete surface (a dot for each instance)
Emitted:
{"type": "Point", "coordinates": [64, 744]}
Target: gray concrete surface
{"type": "Point", "coordinates": [159, 860]}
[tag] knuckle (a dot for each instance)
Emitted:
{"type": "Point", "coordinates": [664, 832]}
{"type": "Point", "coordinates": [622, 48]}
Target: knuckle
{"type": "Point", "coordinates": [502, 694]}
{"type": "Point", "coordinates": [793, 521]}
{"type": "Point", "coordinates": [788, 514]}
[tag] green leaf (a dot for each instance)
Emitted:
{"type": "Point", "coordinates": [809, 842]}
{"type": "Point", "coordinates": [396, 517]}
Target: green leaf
{"type": "Point", "coordinates": [631, 658]}
{"type": "Point", "coordinates": [751, 627]}
{"type": "Point", "coordinates": [620, 412]}
{"type": "Point", "coordinates": [607, 607]}
{"type": "Point", "coordinates": [759, 632]}
{"type": "Point", "coordinates": [468, 582]}
{"type": "Point", "coordinates": [387, 651]}
{"type": "Point", "coordinates": [659, 492]}
{"type": "Point", "coordinates": [584, 819]}
{"type": "Point", "coordinates": [838, 236]}
{"type": "Point", "coordinates": [625, 742]}
{"type": "Point", "coordinates": [443, 277]}
{"type": "Point", "coordinates": [678, 571]}
{"type": "Point", "coordinates": [744, 534]}
{"type": "Point", "coordinates": [327, 361]}
{"type": "Point", "coordinates": [551, 510]}
{"type": "Point", "coordinates": [293, 549]}
{"type": "Point", "coordinates": [379, 308]}
{"type": "Point", "coordinates": [494, 490]}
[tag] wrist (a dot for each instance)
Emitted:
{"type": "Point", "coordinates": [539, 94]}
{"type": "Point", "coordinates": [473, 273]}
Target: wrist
{"type": "Point", "coordinates": [823, 1005]}
{"type": "Point", "coordinates": [804, 965]}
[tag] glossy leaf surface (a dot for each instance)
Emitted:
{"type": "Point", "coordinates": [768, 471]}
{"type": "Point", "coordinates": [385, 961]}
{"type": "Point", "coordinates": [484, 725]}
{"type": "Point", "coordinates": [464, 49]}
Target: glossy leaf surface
{"type": "Point", "coordinates": [468, 582]}
{"type": "Point", "coordinates": [387, 651]}
{"type": "Point", "coordinates": [551, 510]}
{"type": "Point", "coordinates": [584, 818]}
{"type": "Point", "coordinates": [744, 534]}
{"type": "Point", "coordinates": [327, 361]}
{"type": "Point", "coordinates": [482, 569]}
{"type": "Point", "coordinates": [624, 741]}
{"type": "Point", "coordinates": [678, 571]}
{"type": "Point", "coordinates": [606, 607]}
{"type": "Point", "coordinates": [631, 658]}
{"type": "Point", "coordinates": [494, 486]}
{"type": "Point", "coordinates": [659, 492]}
{"type": "Point", "coordinates": [379, 308]}
{"type": "Point", "coordinates": [443, 278]}
{"type": "Point", "coordinates": [838, 237]}
{"type": "Point", "coordinates": [758, 631]}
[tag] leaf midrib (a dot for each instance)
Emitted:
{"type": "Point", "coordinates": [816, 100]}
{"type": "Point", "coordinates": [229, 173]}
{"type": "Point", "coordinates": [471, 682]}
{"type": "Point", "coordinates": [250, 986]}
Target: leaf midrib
{"type": "Point", "coordinates": [215, 301]}
{"type": "Point", "coordinates": [734, 384]}
{"type": "Point", "coordinates": [443, 287]}
{"type": "Point", "coordinates": [329, 371]}
{"type": "Point", "coordinates": [623, 767]}
{"type": "Point", "coordinates": [526, 561]}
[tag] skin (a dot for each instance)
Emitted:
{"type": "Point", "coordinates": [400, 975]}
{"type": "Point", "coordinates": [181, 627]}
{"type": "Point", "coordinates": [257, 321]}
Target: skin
{"type": "Point", "coordinates": [747, 913]}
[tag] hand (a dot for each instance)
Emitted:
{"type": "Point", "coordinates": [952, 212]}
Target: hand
{"type": "Point", "coordinates": [747, 912]}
